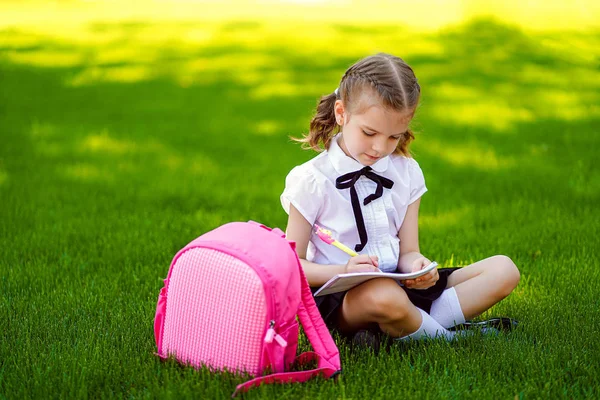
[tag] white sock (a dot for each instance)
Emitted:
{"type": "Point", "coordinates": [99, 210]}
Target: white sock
{"type": "Point", "coordinates": [429, 328]}
{"type": "Point", "coordinates": [446, 309]}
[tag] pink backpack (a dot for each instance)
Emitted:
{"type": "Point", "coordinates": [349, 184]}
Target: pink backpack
{"type": "Point", "coordinates": [230, 301]}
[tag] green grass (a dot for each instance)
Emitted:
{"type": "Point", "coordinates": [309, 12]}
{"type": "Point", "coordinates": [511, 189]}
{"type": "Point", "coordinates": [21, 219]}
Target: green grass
{"type": "Point", "coordinates": [121, 144]}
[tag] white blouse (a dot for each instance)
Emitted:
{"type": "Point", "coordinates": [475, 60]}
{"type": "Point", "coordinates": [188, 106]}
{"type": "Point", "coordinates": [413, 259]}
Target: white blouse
{"type": "Point", "coordinates": [310, 187]}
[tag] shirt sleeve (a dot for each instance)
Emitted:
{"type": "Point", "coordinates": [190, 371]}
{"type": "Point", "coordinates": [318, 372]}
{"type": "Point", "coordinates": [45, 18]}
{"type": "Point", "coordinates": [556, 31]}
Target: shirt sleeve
{"type": "Point", "coordinates": [302, 190]}
{"type": "Point", "coordinates": [417, 180]}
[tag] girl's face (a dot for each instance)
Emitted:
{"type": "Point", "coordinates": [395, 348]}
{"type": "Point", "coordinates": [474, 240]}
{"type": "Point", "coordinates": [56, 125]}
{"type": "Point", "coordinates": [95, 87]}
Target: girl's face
{"type": "Point", "coordinates": [373, 133]}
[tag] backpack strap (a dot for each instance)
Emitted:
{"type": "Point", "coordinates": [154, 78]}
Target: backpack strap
{"type": "Point", "coordinates": [290, 377]}
{"type": "Point", "coordinates": [316, 331]}
{"type": "Point", "coordinates": [326, 352]}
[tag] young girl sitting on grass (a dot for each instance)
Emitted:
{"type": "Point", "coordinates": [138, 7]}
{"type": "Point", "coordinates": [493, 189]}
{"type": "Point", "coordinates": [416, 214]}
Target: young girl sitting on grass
{"type": "Point", "coordinates": [366, 189]}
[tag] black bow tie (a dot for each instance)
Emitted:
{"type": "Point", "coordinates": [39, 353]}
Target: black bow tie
{"type": "Point", "coordinates": [347, 181]}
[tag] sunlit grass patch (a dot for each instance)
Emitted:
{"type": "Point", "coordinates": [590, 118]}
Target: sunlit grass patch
{"type": "Point", "coordinates": [45, 58]}
{"type": "Point", "coordinates": [482, 113]}
{"type": "Point", "coordinates": [3, 176]}
{"type": "Point", "coordinates": [446, 219]}
{"type": "Point", "coordinates": [467, 154]}
{"type": "Point", "coordinates": [103, 142]}
{"type": "Point", "coordinates": [87, 172]}
{"type": "Point", "coordinates": [267, 127]}
{"type": "Point", "coordinates": [568, 105]}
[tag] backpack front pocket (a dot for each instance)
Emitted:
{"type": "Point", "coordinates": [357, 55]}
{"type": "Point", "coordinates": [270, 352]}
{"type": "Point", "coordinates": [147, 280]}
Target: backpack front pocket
{"type": "Point", "coordinates": [281, 346]}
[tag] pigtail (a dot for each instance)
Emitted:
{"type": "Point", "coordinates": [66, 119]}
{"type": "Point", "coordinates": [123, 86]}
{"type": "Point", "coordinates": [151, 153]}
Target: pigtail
{"type": "Point", "coordinates": [322, 125]}
{"type": "Point", "coordinates": [402, 147]}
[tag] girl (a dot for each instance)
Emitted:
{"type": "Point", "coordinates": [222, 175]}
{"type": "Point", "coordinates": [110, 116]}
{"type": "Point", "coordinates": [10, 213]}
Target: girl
{"type": "Point", "coordinates": [366, 189]}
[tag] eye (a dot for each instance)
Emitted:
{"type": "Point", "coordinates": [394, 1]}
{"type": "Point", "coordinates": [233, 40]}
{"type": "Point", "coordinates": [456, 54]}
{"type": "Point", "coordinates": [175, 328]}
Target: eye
{"type": "Point", "coordinates": [368, 134]}
{"type": "Point", "coordinates": [395, 137]}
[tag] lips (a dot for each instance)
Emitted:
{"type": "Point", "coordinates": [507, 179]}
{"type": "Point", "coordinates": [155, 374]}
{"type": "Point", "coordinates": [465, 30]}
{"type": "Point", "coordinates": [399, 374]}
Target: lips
{"type": "Point", "coordinates": [371, 157]}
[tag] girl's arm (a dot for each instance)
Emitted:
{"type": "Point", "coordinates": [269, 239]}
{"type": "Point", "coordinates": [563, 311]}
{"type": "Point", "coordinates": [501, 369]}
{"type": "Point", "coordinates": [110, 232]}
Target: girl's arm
{"type": "Point", "coordinates": [411, 258]}
{"type": "Point", "coordinates": [299, 230]}
{"type": "Point", "coordinates": [409, 238]}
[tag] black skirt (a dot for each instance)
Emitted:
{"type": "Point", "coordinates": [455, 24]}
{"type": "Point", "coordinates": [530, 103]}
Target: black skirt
{"type": "Point", "coordinates": [329, 304]}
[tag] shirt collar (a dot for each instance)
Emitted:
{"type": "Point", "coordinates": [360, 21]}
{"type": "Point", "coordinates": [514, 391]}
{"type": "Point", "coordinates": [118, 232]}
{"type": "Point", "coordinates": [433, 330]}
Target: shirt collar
{"type": "Point", "coordinates": [344, 164]}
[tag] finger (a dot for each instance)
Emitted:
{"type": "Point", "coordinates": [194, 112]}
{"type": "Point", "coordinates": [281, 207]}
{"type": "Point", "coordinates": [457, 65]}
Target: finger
{"type": "Point", "coordinates": [374, 260]}
{"type": "Point", "coordinates": [427, 278]}
{"type": "Point", "coordinates": [421, 285]}
{"type": "Point", "coordinates": [364, 259]}
{"type": "Point", "coordinates": [417, 266]}
{"type": "Point", "coordinates": [431, 280]}
{"type": "Point", "coordinates": [367, 268]}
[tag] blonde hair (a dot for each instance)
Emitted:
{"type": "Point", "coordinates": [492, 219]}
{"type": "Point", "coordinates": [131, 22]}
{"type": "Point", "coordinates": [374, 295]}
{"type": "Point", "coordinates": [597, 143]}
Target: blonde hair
{"type": "Point", "coordinates": [392, 79]}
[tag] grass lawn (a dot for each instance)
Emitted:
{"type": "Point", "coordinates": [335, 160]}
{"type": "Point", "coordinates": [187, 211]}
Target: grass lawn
{"type": "Point", "coordinates": [120, 142]}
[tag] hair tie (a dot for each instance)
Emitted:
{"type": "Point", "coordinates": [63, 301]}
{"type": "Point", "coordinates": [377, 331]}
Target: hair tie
{"type": "Point", "coordinates": [336, 91]}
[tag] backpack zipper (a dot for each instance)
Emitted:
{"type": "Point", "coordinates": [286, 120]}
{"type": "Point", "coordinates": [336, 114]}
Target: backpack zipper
{"type": "Point", "coordinates": [271, 334]}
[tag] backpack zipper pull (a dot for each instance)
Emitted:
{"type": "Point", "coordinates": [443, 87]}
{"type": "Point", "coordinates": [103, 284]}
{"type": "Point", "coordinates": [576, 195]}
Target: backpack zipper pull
{"type": "Point", "coordinates": [270, 332]}
{"type": "Point", "coordinates": [279, 339]}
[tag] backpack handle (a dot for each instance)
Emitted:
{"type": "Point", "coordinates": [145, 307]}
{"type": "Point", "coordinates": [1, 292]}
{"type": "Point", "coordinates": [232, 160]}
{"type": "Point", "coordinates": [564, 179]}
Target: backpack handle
{"type": "Point", "coordinates": [276, 231]}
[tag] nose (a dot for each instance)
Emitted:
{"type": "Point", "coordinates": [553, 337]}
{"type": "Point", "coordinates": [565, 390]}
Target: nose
{"type": "Point", "coordinates": [379, 146]}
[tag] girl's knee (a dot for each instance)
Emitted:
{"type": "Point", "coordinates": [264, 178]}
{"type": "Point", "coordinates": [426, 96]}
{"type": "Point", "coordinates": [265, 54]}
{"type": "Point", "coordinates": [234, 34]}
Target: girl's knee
{"type": "Point", "coordinates": [388, 302]}
{"type": "Point", "coordinates": [508, 274]}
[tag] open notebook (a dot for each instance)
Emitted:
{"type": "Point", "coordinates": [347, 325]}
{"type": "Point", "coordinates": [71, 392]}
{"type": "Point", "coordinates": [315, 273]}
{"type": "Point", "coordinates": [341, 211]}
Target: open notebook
{"type": "Point", "coordinates": [342, 282]}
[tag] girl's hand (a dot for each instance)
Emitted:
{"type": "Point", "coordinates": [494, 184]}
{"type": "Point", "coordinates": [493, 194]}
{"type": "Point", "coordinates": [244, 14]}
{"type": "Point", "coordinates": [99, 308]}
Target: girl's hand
{"type": "Point", "coordinates": [363, 263]}
{"type": "Point", "coordinates": [423, 281]}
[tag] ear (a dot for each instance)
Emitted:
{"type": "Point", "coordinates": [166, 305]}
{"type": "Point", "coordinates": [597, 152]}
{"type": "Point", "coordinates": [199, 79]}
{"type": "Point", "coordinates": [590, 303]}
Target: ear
{"type": "Point", "coordinates": [339, 111]}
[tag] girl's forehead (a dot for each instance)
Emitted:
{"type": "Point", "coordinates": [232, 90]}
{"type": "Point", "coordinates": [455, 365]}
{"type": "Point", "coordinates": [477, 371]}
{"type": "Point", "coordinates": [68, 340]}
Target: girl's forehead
{"type": "Point", "coordinates": [385, 120]}
{"type": "Point", "coordinates": [369, 105]}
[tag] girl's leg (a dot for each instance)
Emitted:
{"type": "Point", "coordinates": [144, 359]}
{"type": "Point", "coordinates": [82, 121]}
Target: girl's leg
{"type": "Point", "coordinates": [380, 301]}
{"type": "Point", "coordinates": [481, 285]}
{"type": "Point", "coordinates": [384, 302]}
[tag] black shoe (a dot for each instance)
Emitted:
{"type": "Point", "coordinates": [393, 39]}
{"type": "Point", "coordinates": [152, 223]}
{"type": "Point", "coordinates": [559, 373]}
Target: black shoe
{"type": "Point", "coordinates": [502, 324]}
{"type": "Point", "coordinates": [366, 339]}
